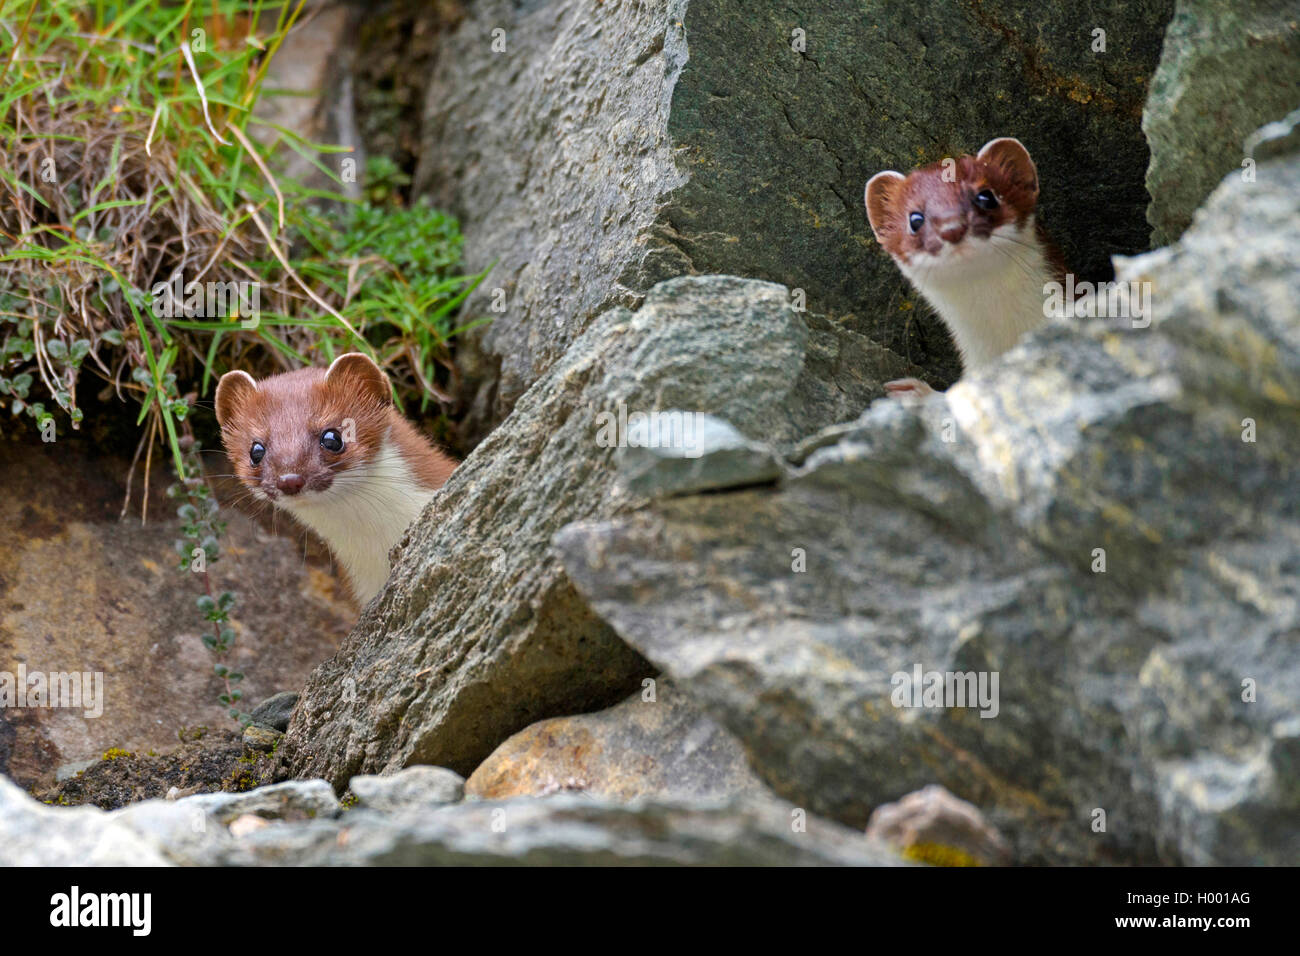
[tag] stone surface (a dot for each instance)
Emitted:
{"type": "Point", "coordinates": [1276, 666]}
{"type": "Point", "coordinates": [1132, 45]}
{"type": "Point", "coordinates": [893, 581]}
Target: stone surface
{"type": "Point", "coordinates": [1144, 712]}
{"type": "Point", "coordinates": [479, 632]}
{"type": "Point", "coordinates": [85, 590]}
{"type": "Point", "coordinates": [933, 825]}
{"type": "Point", "coordinates": [414, 788]}
{"type": "Point", "coordinates": [262, 739]}
{"type": "Point", "coordinates": [1226, 68]}
{"type": "Point", "coordinates": [291, 800]}
{"type": "Point", "coordinates": [1279, 138]}
{"type": "Point", "coordinates": [564, 829]}
{"type": "Point", "coordinates": [273, 713]}
{"type": "Point", "coordinates": [609, 146]}
{"type": "Point", "coordinates": [661, 748]}
{"type": "Point", "coordinates": [689, 452]}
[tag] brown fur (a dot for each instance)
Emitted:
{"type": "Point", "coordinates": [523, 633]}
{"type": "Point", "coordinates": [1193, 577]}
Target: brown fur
{"type": "Point", "coordinates": [287, 413]}
{"type": "Point", "coordinates": [1003, 166]}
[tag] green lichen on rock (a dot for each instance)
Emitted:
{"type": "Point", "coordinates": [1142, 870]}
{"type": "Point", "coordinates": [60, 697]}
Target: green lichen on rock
{"type": "Point", "coordinates": [1226, 69]}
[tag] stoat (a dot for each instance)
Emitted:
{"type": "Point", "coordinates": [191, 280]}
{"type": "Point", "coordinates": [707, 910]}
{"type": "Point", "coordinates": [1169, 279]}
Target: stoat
{"type": "Point", "coordinates": [329, 447]}
{"type": "Point", "coordinates": [965, 235]}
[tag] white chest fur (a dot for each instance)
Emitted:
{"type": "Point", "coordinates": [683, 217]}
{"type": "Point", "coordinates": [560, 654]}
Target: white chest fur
{"type": "Point", "coordinates": [362, 515]}
{"type": "Point", "coordinates": [989, 292]}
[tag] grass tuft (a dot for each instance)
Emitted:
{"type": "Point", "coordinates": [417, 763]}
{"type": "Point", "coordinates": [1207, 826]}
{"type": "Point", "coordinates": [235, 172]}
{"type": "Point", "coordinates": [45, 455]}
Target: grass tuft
{"type": "Point", "coordinates": [131, 161]}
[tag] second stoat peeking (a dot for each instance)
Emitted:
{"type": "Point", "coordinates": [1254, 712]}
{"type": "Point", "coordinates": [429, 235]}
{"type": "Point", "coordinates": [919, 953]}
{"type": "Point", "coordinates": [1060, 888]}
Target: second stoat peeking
{"type": "Point", "coordinates": [965, 235]}
{"type": "Point", "coordinates": [329, 447]}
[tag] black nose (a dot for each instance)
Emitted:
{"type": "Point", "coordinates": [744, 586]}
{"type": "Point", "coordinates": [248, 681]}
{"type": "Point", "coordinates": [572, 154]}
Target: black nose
{"type": "Point", "coordinates": [290, 484]}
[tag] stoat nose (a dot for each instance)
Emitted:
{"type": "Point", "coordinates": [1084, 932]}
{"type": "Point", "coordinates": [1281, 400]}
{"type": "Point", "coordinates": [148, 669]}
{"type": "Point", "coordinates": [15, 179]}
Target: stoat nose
{"type": "Point", "coordinates": [290, 484]}
{"type": "Point", "coordinates": [952, 231]}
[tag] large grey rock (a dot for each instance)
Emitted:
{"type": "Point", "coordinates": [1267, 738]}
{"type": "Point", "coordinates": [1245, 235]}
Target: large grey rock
{"type": "Point", "coordinates": [966, 536]}
{"type": "Point", "coordinates": [559, 830]}
{"type": "Point", "coordinates": [479, 632]}
{"type": "Point", "coordinates": [576, 830]}
{"type": "Point", "coordinates": [655, 744]}
{"type": "Point", "coordinates": [609, 146]}
{"type": "Point", "coordinates": [1226, 68]}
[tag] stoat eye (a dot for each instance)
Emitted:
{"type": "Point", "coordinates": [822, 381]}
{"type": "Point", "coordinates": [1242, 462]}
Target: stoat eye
{"type": "Point", "coordinates": [915, 221]}
{"type": "Point", "coordinates": [257, 453]}
{"type": "Point", "coordinates": [986, 199]}
{"type": "Point", "coordinates": [331, 440]}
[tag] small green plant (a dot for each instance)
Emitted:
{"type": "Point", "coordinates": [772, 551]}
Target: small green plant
{"type": "Point", "coordinates": [403, 294]}
{"type": "Point", "coordinates": [199, 546]}
{"type": "Point", "coordinates": [241, 780]}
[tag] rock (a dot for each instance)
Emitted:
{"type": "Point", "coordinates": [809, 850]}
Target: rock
{"type": "Point", "coordinates": [291, 800]}
{"type": "Point", "coordinates": [934, 826]}
{"type": "Point", "coordinates": [261, 738]}
{"type": "Point", "coordinates": [273, 713]}
{"type": "Point", "coordinates": [1273, 140]}
{"type": "Point", "coordinates": [414, 788]}
{"type": "Point", "coordinates": [248, 823]}
{"type": "Point", "coordinates": [660, 748]}
{"type": "Point", "coordinates": [564, 829]}
{"type": "Point", "coordinates": [308, 90]}
{"type": "Point", "coordinates": [479, 632]}
{"type": "Point", "coordinates": [131, 618]}
{"type": "Point", "coordinates": [608, 147]}
{"type": "Point", "coordinates": [32, 834]}
{"type": "Point", "coordinates": [576, 830]}
{"type": "Point", "coordinates": [1106, 522]}
{"type": "Point", "coordinates": [1226, 68]}
{"type": "Point", "coordinates": [704, 453]}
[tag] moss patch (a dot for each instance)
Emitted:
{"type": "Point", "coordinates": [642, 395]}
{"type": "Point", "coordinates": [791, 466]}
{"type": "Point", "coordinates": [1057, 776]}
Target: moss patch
{"type": "Point", "coordinates": [216, 762]}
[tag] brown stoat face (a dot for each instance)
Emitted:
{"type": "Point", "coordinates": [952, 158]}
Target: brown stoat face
{"type": "Point", "coordinates": [955, 219]}
{"type": "Point", "coordinates": [291, 436]}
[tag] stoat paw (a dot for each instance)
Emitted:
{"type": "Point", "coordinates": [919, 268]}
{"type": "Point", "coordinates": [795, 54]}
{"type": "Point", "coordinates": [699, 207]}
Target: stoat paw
{"type": "Point", "coordinates": [907, 388]}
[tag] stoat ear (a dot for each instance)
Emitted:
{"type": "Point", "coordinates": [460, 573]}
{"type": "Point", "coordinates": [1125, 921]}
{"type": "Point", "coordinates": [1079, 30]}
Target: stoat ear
{"type": "Point", "coordinates": [1013, 159]}
{"type": "Point", "coordinates": [358, 373]}
{"type": "Point", "coordinates": [232, 391]}
{"type": "Point", "coordinates": [882, 189]}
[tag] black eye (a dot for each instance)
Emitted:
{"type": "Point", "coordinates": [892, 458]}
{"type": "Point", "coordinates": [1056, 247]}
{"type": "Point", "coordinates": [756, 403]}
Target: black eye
{"type": "Point", "coordinates": [985, 199]}
{"type": "Point", "coordinates": [256, 453]}
{"type": "Point", "coordinates": [916, 220]}
{"type": "Point", "coordinates": [331, 440]}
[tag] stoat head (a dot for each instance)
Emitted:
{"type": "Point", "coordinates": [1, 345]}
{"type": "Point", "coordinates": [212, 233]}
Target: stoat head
{"type": "Point", "coordinates": [291, 437]}
{"type": "Point", "coordinates": [956, 218]}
